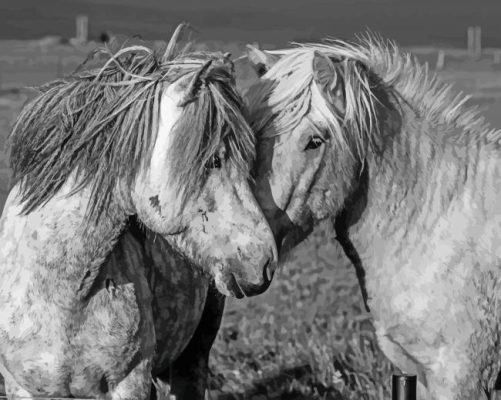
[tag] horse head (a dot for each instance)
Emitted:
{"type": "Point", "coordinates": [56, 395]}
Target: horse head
{"type": "Point", "coordinates": [161, 136]}
{"type": "Point", "coordinates": [315, 115]}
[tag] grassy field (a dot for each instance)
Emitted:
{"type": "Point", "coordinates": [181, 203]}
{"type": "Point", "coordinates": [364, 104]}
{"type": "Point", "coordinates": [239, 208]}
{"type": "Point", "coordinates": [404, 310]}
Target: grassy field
{"type": "Point", "coordinates": [308, 336]}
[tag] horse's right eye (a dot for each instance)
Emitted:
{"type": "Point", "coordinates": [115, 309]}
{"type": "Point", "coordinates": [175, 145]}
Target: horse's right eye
{"type": "Point", "coordinates": [216, 162]}
{"type": "Point", "coordinates": [314, 143]}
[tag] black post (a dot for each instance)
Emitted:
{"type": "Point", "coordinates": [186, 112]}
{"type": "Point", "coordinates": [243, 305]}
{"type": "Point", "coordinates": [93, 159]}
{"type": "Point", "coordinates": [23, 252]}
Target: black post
{"type": "Point", "coordinates": [403, 387]}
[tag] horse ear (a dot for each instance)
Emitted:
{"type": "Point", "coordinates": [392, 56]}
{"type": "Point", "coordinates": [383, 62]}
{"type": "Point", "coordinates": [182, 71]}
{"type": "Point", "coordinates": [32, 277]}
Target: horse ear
{"type": "Point", "coordinates": [194, 85]}
{"type": "Point", "coordinates": [329, 76]}
{"type": "Point", "coordinates": [261, 60]}
{"type": "Point", "coordinates": [326, 73]}
{"type": "Point", "coordinates": [173, 41]}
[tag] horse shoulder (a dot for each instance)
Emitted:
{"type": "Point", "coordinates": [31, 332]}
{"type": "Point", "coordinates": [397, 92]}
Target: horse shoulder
{"type": "Point", "coordinates": [45, 257]}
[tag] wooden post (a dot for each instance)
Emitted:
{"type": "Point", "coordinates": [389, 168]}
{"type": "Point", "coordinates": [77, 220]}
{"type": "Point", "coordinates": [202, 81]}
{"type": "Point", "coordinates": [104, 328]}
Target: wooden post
{"type": "Point", "coordinates": [440, 60]}
{"type": "Point", "coordinates": [82, 25]}
{"type": "Point", "coordinates": [470, 39]}
{"type": "Point", "coordinates": [404, 387]}
{"type": "Point", "coordinates": [497, 56]}
{"type": "Point", "coordinates": [478, 40]}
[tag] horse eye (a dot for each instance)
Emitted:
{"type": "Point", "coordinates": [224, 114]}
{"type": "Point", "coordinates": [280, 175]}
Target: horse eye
{"type": "Point", "coordinates": [314, 143]}
{"type": "Point", "coordinates": [216, 162]}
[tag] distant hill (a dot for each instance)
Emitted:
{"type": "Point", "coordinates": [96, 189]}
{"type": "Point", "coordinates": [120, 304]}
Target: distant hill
{"type": "Point", "coordinates": [437, 22]}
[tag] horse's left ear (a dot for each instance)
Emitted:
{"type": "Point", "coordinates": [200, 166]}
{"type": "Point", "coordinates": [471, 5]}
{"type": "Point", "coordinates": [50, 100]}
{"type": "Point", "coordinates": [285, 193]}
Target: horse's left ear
{"type": "Point", "coordinates": [261, 60]}
{"type": "Point", "coordinates": [325, 72]}
{"type": "Point", "coordinates": [329, 76]}
{"type": "Point", "coordinates": [194, 85]}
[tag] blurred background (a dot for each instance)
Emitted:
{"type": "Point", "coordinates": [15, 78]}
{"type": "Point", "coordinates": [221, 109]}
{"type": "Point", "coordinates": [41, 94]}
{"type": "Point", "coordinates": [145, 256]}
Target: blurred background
{"type": "Point", "coordinates": [423, 22]}
{"type": "Point", "coordinates": [307, 337]}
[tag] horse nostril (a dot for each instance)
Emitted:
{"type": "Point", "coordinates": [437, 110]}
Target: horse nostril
{"type": "Point", "coordinates": [268, 272]}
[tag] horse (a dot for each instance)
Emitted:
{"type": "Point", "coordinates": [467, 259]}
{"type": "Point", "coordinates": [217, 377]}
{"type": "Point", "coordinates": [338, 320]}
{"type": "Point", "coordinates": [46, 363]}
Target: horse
{"type": "Point", "coordinates": [159, 135]}
{"type": "Point", "coordinates": [187, 310]}
{"type": "Point", "coordinates": [360, 133]}
{"type": "Point", "coordinates": [186, 306]}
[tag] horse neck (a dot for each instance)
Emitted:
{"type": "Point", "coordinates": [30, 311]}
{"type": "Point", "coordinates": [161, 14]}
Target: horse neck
{"type": "Point", "coordinates": [61, 227]}
{"type": "Point", "coordinates": [422, 168]}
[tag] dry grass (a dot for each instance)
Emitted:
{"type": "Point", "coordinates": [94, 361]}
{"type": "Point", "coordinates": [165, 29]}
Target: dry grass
{"type": "Point", "coordinates": [307, 337]}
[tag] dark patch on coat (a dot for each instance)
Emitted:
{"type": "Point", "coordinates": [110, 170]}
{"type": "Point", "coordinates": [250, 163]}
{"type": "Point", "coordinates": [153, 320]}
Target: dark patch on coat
{"type": "Point", "coordinates": [155, 203]}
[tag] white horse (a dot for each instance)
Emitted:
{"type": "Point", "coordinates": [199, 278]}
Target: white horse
{"type": "Point", "coordinates": [411, 177]}
{"type": "Point", "coordinates": [160, 136]}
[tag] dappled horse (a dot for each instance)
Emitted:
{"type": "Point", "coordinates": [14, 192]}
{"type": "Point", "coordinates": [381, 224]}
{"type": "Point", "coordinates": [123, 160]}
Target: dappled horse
{"type": "Point", "coordinates": [186, 306]}
{"type": "Point", "coordinates": [411, 177]}
{"type": "Point", "coordinates": [187, 309]}
{"type": "Point", "coordinates": [158, 135]}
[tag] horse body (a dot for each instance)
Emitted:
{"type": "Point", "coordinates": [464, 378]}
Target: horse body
{"type": "Point", "coordinates": [430, 248]}
{"type": "Point", "coordinates": [411, 178]}
{"type": "Point", "coordinates": [82, 307]}
{"type": "Point", "coordinates": [44, 296]}
{"type": "Point", "coordinates": [110, 300]}
{"type": "Point", "coordinates": [186, 307]}
{"type": "Point", "coordinates": [180, 294]}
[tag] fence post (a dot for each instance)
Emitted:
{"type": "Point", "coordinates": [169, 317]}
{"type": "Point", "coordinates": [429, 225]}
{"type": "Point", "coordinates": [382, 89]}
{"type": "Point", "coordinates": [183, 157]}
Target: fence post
{"type": "Point", "coordinates": [440, 60]}
{"type": "Point", "coordinates": [404, 387]}
{"type": "Point", "coordinates": [497, 56]}
{"type": "Point", "coordinates": [82, 29]}
{"type": "Point", "coordinates": [478, 40]}
{"type": "Point", "coordinates": [471, 39]}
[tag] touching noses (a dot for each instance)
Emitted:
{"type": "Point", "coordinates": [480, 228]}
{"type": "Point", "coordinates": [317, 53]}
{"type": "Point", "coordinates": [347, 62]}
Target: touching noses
{"type": "Point", "coordinates": [259, 258]}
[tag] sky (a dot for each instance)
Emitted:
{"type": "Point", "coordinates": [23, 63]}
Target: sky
{"type": "Point", "coordinates": [421, 22]}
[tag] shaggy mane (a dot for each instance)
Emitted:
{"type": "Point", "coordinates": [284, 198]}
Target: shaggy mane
{"type": "Point", "coordinates": [428, 95]}
{"type": "Point", "coordinates": [101, 124]}
{"type": "Point", "coordinates": [284, 94]}
{"type": "Point", "coordinates": [289, 92]}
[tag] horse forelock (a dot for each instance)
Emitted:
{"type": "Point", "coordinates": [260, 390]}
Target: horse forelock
{"type": "Point", "coordinates": [407, 82]}
{"type": "Point", "coordinates": [295, 89]}
{"type": "Point", "coordinates": [279, 101]}
{"type": "Point", "coordinates": [101, 124]}
{"type": "Point", "coordinates": [215, 118]}
{"type": "Point", "coordinates": [377, 78]}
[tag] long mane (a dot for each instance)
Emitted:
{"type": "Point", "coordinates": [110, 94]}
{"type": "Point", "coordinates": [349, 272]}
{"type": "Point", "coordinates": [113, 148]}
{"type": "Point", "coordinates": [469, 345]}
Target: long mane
{"type": "Point", "coordinates": [100, 125]}
{"type": "Point", "coordinates": [284, 96]}
{"type": "Point", "coordinates": [423, 90]}
{"type": "Point", "coordinates": [289, 92]}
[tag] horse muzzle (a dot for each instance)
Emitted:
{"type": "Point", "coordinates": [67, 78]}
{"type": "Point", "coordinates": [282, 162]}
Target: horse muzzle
{"type": "Point", "coordinates": [235, 285]}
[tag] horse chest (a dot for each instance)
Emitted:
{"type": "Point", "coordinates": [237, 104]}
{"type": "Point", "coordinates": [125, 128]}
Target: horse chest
{"type": "Point", "coordinates": [179, 293]}
{"type": "Point", "coordinates": [177, 314]}
{"type": "Point", "coordinates": [43, 261]}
